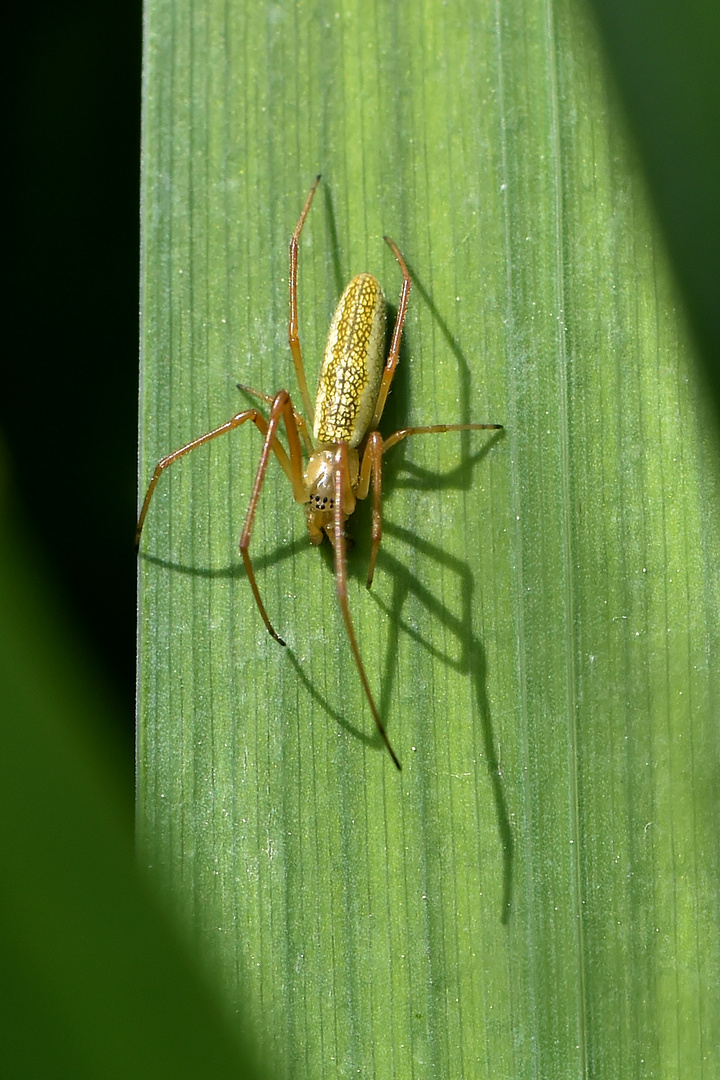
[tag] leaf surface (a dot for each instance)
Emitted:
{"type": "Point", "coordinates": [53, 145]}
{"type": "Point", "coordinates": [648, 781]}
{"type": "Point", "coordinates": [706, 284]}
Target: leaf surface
{"type": "Point", "coordinates": [536, 893]}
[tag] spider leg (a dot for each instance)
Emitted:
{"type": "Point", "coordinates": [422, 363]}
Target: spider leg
{"type": "Point", "coordinates": [281, 410]}
{"type": "Point", "coordinates": [371, 472]}
{"type": "Point", "coordinates": [371, 469]}
{"type": "Point", "coordinates": [293, 336]}
{"type": "Point", "coordinates": [299, 420]}
{"type": "Point", "coordinates": [342, 487]}
{"type": "Point", "coordinates": [248, 414]}
{"type": "Point", "coordinates": [436, 429]}
{"type": "Point", "coordinates": [394, 354]}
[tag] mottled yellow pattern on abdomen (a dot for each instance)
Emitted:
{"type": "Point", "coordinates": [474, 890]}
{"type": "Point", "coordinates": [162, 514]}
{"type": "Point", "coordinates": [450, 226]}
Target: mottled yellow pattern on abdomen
{"type": "Point", "coordinates": [352, 365]}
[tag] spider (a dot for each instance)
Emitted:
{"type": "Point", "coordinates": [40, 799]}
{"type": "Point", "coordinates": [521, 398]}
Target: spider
{"type": "Point", "coordinates": [345, 451]}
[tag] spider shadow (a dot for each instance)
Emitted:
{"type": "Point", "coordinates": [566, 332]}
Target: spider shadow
{"type": "Point", "coordinates": [333, 242]}
{"type": "Point", "coordinates": [468, 661]}
{"type": "Point", "coordinates": [232, 571]}
{"type": "Point", "coordinates": [416, 477]}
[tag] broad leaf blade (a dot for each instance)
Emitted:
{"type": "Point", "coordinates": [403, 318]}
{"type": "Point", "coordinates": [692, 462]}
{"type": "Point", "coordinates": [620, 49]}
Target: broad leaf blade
{"type": "Point", "coordinates": [541, 634]}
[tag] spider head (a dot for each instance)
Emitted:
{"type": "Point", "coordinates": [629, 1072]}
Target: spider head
{"type": "Point", "coordinates": [320, 489]}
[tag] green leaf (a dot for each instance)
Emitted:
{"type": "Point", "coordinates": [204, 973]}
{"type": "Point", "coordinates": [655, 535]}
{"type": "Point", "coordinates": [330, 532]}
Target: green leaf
{"type": "Point", "coordinates": [536, 894]}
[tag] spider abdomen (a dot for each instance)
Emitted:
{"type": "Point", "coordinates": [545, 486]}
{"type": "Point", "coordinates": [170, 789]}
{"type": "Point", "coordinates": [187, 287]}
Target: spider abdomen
{"type": "Point", "coordinates": [353, 364]}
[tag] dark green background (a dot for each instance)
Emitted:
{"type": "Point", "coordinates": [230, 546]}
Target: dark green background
{"type": "Point", "coordinates": [68, 405]}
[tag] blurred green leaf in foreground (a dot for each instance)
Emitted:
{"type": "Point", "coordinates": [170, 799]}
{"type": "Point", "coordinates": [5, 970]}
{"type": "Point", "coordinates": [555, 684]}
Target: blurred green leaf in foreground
{"type": "Point", "coordinates": [95, 983]}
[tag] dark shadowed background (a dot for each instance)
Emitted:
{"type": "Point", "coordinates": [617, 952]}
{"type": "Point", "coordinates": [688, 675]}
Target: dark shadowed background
{"type": "Point", "coordinates": [69, 398]}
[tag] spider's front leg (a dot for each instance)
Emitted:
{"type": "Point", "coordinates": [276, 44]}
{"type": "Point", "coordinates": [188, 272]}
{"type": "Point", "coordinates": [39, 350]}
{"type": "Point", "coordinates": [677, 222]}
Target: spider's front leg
{"type": "Point", "coordinates": [282, 409]}
{"type": "Point", "coordinates": [344, 496]}
{"type": "Point", "coordinates": [234, 422]}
